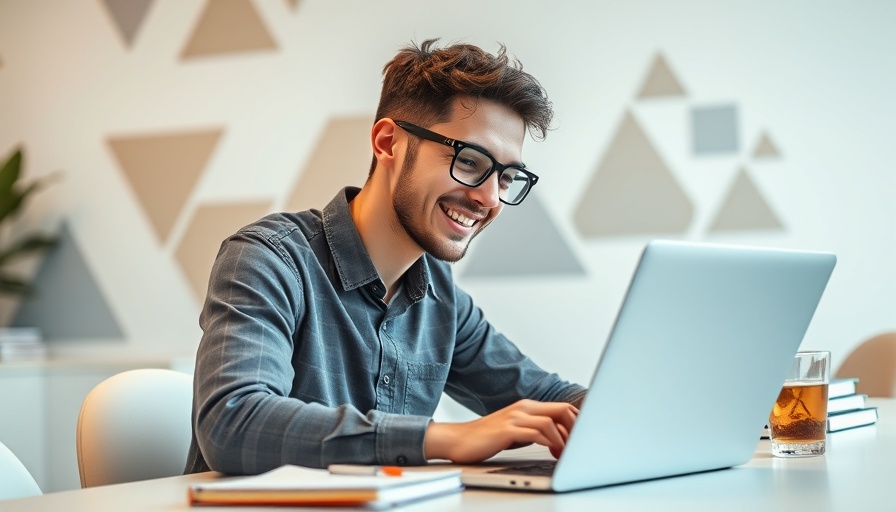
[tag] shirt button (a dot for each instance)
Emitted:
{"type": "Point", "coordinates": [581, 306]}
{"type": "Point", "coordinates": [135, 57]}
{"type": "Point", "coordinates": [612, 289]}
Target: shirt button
{"type": "Point", "coordinates": [386, 379]}
{"type": "Point", "coordinates": [401, 460]}
{"type": "Point", "coordinates": [386, 326]}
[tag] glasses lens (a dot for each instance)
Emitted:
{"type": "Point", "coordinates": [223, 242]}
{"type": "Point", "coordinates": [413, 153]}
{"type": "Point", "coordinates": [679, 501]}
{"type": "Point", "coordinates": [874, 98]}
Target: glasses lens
{"type": "Point", "coordinates": [514, 185]}
{"type": "Point", "coordinates": [470, 166]}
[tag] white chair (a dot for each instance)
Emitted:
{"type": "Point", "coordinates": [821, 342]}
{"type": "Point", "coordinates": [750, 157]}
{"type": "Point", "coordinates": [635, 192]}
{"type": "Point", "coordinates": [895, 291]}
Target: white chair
{"type": "Point", "coordinates": [15, 480]}
{"type": "Point", "coordinates": [135, 426]}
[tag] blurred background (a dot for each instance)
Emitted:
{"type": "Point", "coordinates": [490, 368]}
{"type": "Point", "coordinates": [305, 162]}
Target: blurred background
{"type": "Point", "coordinates": [173, 123]}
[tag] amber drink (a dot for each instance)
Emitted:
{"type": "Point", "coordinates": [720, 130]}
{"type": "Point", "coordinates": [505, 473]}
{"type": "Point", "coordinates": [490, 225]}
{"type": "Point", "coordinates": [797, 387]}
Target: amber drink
{"type": "Point", "coordinates": [798, 421]}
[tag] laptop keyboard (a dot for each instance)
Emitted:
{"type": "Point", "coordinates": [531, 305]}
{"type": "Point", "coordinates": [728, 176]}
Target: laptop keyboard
{"type": "Point", "coordinates": [545, 468]}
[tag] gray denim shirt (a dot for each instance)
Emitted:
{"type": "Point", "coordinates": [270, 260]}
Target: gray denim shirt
{"type": "Point", "coordinates": [302, 362]}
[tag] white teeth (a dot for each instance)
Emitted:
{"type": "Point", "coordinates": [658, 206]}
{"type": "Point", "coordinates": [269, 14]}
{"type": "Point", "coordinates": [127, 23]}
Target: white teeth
{"type": "Point", "coordinates": [460, 219]}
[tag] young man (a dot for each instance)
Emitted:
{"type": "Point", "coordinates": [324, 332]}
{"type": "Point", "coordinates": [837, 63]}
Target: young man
{"type": "Point", "coordinates": [329, 336]}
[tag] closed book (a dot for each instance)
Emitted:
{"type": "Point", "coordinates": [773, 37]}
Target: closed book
{"type": "Point", "coordinates": [23, 352]}
{"type": "Point", "coordinates": [16, 335]}
{"type": "Point", "coordinates": [852, 419]}
{"type": "Point", "coordinates": [298, 486]}
{"type": "Point", "coordinates": [846, 403]}
{"type": "Point", "coordinates": [841, 387]}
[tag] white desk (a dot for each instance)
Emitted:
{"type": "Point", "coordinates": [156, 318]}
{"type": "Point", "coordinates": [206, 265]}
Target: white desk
{"type": "Point", "coordinates": [858, 473]}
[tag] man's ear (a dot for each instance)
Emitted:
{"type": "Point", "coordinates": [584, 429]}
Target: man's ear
{"type": "Point", "coordinates": [382, 138]}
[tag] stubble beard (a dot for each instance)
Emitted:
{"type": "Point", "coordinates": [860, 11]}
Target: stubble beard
{"type": "Point", "coordinates": [404, 202]}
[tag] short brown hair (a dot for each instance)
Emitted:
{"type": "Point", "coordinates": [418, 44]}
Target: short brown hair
{"type": "Point", "coordinates": [421, 82]}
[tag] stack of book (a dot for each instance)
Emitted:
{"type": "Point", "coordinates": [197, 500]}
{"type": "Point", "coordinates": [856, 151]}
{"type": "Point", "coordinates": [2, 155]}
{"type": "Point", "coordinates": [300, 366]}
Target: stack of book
{"type": "Point", "coordinates": [21, 344]}
{"type": "Point", "coordinates": [846, 408]}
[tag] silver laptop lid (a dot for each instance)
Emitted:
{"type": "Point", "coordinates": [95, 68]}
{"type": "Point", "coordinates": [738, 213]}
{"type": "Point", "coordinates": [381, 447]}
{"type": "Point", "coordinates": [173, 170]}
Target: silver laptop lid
{"type": "Point", "coordinates": [693, 362]}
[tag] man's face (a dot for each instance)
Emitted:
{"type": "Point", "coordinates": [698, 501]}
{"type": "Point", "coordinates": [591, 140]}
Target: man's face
{"type": "Point", "coordinates": [439, 214]}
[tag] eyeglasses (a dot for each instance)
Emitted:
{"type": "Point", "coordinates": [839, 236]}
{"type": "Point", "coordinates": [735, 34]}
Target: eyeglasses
{"type": "Point", "coordinates": [472, 165]}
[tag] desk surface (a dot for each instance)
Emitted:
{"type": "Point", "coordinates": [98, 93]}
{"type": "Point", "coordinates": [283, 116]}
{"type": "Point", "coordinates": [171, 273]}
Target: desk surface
{"type": "Point", "coordinates": [858, 472]}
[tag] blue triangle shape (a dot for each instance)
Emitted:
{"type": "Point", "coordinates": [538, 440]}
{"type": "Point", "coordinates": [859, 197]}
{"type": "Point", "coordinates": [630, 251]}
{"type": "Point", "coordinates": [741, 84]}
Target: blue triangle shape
{"type": "Point", "coordinates": [68, 304]}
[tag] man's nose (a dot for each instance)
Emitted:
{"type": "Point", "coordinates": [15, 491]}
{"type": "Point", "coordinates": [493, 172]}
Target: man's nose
{"type": "Point", "coordinates": [487, 193]}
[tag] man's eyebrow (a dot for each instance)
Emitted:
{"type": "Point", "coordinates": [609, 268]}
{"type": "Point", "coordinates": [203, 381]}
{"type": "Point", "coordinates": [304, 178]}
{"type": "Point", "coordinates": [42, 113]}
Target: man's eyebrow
{"type": "Point", "coordinates": [518, 163]}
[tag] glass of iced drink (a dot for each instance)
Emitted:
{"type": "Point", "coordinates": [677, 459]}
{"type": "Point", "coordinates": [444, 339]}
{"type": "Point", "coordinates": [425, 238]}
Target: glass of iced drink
{"type": "Point", "coordinates": [798, 421]}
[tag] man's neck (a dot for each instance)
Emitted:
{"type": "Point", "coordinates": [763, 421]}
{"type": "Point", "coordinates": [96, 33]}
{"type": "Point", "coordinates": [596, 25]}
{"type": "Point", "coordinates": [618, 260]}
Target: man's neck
{"type": "Point", "coordinates": [391, 250]}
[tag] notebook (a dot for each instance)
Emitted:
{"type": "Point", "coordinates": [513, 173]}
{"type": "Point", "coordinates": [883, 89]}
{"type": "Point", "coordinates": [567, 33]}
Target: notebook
{"type": "Point", "coordinates": [694, 361]}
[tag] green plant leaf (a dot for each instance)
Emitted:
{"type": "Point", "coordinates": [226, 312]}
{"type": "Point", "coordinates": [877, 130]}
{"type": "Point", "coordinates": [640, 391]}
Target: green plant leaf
{"type": "Point", "coordinates": [12, 198]}
{"type": "Point", "coordinates": [13, 285]}
{"type": "Point", "coordinates": [12, 204]}
{"type": "Point", "coordinates": [26, 245]}
{"type": "Point", "coordinates": [9, 175]}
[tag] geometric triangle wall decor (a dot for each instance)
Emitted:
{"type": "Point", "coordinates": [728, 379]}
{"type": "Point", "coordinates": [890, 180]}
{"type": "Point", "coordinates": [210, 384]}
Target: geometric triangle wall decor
{"type": "Point", "coordinates": [68, 303]}
{"type": "Point", "coordinates": [522, 241]}
{"type": "Point", "coordinates": [632, 191]}
{"type": "Point", "coordinates": [228, 27]}
{"type": "Point", "coordinates": [660, 81]}
{"type": "Point", "coordinates": [745, 209]}
{"type": "Point", "coordinates": [127, 16]}
{"type": "Point", "coordinates": [163, 170]}
{"type": "Point", "coordinates": [765, 148]}
{"type": "Point", "coordinates": [340, 156]}
{"type": "Point", "coordinates": [211, 225]}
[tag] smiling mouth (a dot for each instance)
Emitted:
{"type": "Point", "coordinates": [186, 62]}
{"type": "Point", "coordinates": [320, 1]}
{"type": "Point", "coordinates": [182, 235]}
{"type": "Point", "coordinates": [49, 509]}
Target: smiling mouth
{"type": "Point", "coordinates": [459, 218]}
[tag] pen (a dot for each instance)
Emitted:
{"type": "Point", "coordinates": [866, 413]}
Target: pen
{"type": "Point", "coordinates": [360, 470]}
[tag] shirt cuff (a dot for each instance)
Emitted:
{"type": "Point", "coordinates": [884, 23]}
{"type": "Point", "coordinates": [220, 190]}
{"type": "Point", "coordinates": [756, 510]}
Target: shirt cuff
{"type": "Point", "coordinates": [399, 440]}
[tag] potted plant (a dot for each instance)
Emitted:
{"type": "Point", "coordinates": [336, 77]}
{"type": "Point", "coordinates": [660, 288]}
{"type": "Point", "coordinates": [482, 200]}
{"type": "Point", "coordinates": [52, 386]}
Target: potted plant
{"type": "Point", "coordinates": [13, 196]}
{"type": "Point", "coordinates": [19, 343]}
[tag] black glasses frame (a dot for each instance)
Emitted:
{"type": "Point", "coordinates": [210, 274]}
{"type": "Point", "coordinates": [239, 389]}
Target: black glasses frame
{"type": "Point", "coordinates": [458, 146]}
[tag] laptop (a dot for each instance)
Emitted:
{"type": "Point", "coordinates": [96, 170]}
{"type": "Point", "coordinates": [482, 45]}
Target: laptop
{"type": "Point", "coordinates": [693, 364]}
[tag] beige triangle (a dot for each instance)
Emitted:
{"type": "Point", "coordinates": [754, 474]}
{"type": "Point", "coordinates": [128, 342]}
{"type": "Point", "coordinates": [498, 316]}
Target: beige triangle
{"type": "Point", "coordinates": [162, 170]}
{"type": "Point", "coordinates": [745, 208]}
{"type": "Point", "coordinates": [128, 15]}
{"type": "Point", "coordinates": [210, 225]}
{"type": "Point", "coordinates": [660, 81]}
{"type": "Point", "coordinates": [632, 191]}
{"type": "Point", "coordinates": [228, 26]}
{"type": "Point", "coordinates": [766, 148]}
{"type": "Point", "coordinates": [341, 157]}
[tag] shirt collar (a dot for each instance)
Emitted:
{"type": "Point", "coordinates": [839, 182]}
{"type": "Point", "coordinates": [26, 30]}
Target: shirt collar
{"type": "Point", "coordinates": [350, 256]}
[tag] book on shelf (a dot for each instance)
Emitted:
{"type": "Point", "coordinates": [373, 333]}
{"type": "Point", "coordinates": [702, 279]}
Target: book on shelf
{"type": "Point", "coordinates": [299, 486]}
{"type": "Point", "coordinates": [21, 344]}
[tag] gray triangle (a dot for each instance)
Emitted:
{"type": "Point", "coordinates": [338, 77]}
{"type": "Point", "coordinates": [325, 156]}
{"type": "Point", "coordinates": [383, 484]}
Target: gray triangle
{"type": "Point", "coordinates": [68, 304]}
{"type": "Point", "coordinates": [523, 241]}
{"type": "Point", "coordinates": [633, 191]}
{"type": "Point", "coordinates": [745, 209]}
{"type": "Point", "coordinates": [660, 81]}
{"type": "Point", "coordinates": [128, 15]}
{"type": "Point", "coordinates": [766, 148]}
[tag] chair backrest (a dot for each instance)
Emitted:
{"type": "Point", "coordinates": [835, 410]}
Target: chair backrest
{"type": "Point", "coordinates": [15, 479]}
{"type": "Point", "coordinates": [135, 426]}
{"type": "Point", "coordinates": [874, 362]}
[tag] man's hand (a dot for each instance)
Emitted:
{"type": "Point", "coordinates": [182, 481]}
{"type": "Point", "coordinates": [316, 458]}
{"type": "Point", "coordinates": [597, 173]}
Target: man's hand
{"type": "Point", "coordinates": [520, 424]}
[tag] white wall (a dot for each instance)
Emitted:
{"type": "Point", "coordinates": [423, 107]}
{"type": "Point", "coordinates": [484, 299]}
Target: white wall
{"type": "Point", "coordinates": [818, 76]}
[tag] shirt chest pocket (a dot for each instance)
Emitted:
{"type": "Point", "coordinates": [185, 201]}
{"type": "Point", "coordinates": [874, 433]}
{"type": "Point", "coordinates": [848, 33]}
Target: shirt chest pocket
{"type": "Point", "coordinates": [424, 387]}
